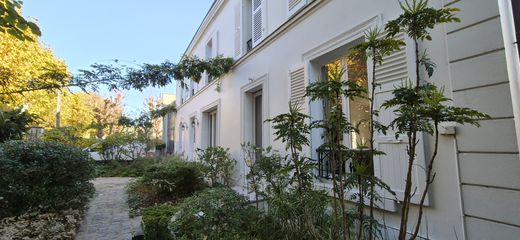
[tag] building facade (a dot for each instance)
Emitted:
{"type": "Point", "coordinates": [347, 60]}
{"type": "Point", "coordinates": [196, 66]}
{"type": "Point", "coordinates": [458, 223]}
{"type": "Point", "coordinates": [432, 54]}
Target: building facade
{"type": "Point", "coordinates": [168, 124]}
{"type": "Point", "coordinates": [280, 46]}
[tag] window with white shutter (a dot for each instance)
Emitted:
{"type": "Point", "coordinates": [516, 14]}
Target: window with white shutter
{"type": "Point", "coordinates": [258, 20]}
{"type": "Point", "coordinates": [294, 5]}
{"type": "Point", "coordinates": [297, 86]}
{"type": "Point", "coordinates": [392, 167]}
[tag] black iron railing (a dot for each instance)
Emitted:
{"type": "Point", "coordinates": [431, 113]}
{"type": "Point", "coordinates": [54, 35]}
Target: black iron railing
{"type": "Point", "coordinates": [326, 168]}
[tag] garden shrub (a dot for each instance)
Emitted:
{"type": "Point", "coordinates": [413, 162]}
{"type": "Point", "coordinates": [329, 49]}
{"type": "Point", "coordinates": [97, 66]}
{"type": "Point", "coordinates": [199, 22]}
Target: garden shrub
{"type": "Point", "coordinates": [215, 213]}
{"type": "Point", "coordinates": [174, 179]}
{"type": "Point", "coordinates": [133, 168]}
{"type": "Point", "coordinates": [166, 180]}
{"type": "Point", "coordinates": [41, 226]}
{"type": "Point", "coordinates": [141, 195]}
{"type": "Point", "coordinates": [217, 165]}
{"type": "Point", "coordinates": [155, 222]}
{"type": "Point", "coordinates": [68, 135]}
{"type": "Point", "coordinates": [45, 175]}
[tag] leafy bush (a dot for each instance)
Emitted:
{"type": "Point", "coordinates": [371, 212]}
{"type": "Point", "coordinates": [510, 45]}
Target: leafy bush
{"type": "Point", "coordinates": [67, 135]}
{"type": "Point", "coordinates": [215, 213]}
{"type": "Point", "coordinates": [45, 175]}
{"type": "Point", "coordinates": [133, 168]}
{"type": "Point", "coordinates": [166, 180]}
{"type": "Point", "coordinates": [155, 222]}
{"type": "Point", "coordinates": [174, 179]}
{"type": "Point", "coordinates": [217, 165]}
{"type": "Point", "coordinates": [14, 123]}
{"type": "Point", "coordinates": [34, 225]}
{"type": "Point", "coordinates": [141, 196]}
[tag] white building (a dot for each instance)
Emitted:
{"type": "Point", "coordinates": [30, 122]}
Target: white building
{"type": "Point", "coordinates": [168, 123]}
{"type": "Point", "coordinates": [282, 45]}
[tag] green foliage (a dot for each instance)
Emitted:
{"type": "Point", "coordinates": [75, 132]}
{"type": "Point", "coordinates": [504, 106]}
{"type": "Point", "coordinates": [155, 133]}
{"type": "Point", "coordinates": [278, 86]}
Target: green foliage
{"type": "Point", "coordinates": [292, 128]}
{"type": "Point", "coordinates": [142, 196]}
{"type": "Point", "coordinates": [164, 111]}
{"type": "Point", "coordinates": [298, 215]}
{"type": "Point", "coordinates": [12, 21]}
{"type": "Point", "coordinates": [68, 135]}
{"type": "Point", "coordinates": [417, 18]}
{"type": "Point", "coordinates": [175, 179]}
{"type": "Point", "coordinates": [125, 168]}
{"type": "Point", "coordinates": [421, 108]}
{"type": "Point", "coordinates": [150, 75]}
{"type": "Point", "coordinates": [14, 123]}
{"type": "Point", "coordinates": [217, 165]}
{"type": "Point", "coordinates": [156, 220]}
{"type": "Point", "coordinates": [123, 146]}
{"type": "Point", "coordinates": [45, 175]}
{"type": "Point", "coordinates": [376, 46]}
{"type": "Point", "coordinates": [215, 213]}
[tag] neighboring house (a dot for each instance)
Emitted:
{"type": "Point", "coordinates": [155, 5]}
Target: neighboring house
{"type": "Point", "coordinates": [168, 123]}
{"type": "Point", "coordinates": [280, 46]}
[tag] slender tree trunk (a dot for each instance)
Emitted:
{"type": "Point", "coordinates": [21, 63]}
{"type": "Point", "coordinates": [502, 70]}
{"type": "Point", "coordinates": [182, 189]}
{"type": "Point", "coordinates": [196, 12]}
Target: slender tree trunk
{"type": "Point", "coordinates": [58, 108]}
{"type": "Point", "coordinates": [412, 144]}
{"type": "Point", "coordinates": [429, 180]}
{"type": "Point", "coordinates": [372, 147]}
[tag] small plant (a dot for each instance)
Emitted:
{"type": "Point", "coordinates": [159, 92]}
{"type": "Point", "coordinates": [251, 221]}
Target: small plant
{"type": "Point", "coordinates": [335, 124]}
{"type": "Point", "coordinates": [292, 128]}
{"type": "Point", "coordinates": [421, 106]}
{"type": "Point", "coordinates": [217, 165]}
{"type": "Point", "coordinates": [215, 213]}
{"type": "Point", "coordinates": [376, 46]}
{"type": "Point", "coordinates": [174, 179]}
{"type": "Point", "coordinates": [156, 220]}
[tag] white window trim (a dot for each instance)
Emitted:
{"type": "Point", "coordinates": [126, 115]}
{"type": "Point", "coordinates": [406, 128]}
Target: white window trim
{"type": "Point", "coordinates": [313, 71]}
{"type": "Point", "coordinates": [245, 118]}
{"type": "Point", "coordinates": [313, 74]}
{"type": "Point", "coordinates": [216, 105]}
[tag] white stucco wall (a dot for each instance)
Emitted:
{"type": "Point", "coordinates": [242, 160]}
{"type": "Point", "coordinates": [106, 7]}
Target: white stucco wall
{"type": "Point", "coordinates": [458, 163]}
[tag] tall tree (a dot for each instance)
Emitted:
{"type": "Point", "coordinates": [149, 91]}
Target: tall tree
{"type": "Point", "coordinates": [106, 112]}
{"type": "Point", "coordinates": [13, 23]}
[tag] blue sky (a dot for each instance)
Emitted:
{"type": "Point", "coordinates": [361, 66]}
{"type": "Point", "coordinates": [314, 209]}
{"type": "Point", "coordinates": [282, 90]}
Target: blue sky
{"type": "Point", "coordinates": [83, 32]}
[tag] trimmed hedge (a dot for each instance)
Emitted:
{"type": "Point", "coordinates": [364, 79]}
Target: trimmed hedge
{"type": "Point", "coordinates": [47, 176]}
{"type": "Point", "coordinates": [155, 222]}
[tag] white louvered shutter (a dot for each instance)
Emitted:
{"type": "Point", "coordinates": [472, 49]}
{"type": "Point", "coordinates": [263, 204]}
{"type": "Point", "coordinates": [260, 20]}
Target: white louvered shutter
{"type": "Point", "coordinates": [297, 86]}
{"type": "Point", "coordinates": [258, 21]}
{"type": "Point", "coordinates": [238, 31]}
{"type": "Point", "coordinates": [392, 167]}
{"type": "Point", "coordinates": [294, 5]}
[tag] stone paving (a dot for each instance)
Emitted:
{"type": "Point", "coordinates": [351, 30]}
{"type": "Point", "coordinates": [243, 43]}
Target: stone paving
{"type": "Point", "coordinates": [107, 216]}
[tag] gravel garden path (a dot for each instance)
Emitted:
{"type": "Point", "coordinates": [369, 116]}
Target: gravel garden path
{"type": "Point", "coordinates": [107, 216]}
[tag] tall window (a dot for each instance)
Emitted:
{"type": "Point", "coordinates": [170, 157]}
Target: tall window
{"type": "Point", "coordinates": [212, 129]}
{"type": "Point", "coordinates": [357, 109]}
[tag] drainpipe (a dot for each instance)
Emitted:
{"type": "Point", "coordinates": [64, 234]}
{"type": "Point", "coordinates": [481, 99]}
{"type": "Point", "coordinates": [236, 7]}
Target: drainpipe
{"type": "Point", "coordinates": [512, 59]}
